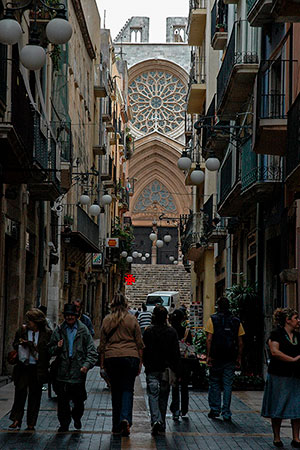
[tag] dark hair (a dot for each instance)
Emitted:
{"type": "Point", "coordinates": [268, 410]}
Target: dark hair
{"type": "Point", "coordinates": [176, 317]}
{"type": "Point", "coordinates": [144, 307]}
{"type": "Point", "coordinates": [223, 304]}
{"type": "Point", "coordinates": [159, 316]}
{"type": "Point", "coordinates": [43, 308]}
{"type": "Point", "coordinates": [281, 314]}
{"type": "Point", "coordinates": [37, 316]}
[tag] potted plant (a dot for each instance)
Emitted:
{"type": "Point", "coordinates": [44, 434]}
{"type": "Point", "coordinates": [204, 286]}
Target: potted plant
{"type": "Point", "coordinates": [220, 27]}
{"type": "Point", "coordinates": [68, 220]}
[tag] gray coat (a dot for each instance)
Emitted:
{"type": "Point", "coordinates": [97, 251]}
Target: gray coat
{"type": "Point", "coordinates": [84, 353]}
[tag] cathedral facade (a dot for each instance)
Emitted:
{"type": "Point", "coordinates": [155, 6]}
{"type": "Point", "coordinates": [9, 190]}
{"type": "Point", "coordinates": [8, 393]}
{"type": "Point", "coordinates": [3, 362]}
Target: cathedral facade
{"type": "Point", "coordinates": [158, 85]}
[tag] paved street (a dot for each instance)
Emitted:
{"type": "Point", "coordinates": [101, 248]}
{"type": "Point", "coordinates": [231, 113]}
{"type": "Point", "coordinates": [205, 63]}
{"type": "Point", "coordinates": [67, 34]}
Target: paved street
{"type": "Point", "coordinates": [247, 430]}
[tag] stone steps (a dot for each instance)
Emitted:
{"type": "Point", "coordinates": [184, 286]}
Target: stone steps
{"type": "Point", "coordinates": [150, 278]}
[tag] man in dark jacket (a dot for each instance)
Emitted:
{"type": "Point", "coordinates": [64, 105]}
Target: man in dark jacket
{"type": "Point", "coordinates": [161, 353]}
{"type": "Point", "coordinates": [83, 317]}
{"type": "Point", "coordinates": [73, 345]}
{"type": "Point", "coordinates": [224, 351]}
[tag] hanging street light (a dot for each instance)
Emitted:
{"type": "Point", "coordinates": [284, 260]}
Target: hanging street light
{"type": "Point", "coordinates": [212, 163]}
{"type": "Point", "coordinates": [84, 199]}
{"type": "Point", "coordinates": [58, 31]}
{"type": "Point", "coordinates": [167, 238]}
{"type": "Point", "coordinates": [106, 199]}
{"type": "Point", "coordinates": [147, 255]}
{"type": "Point", "coordinates": [143, 258]}
{"type": "Point", "coordinates": [153, 236]}
{"type": "Point", "coordinates": [135, 254]}
{"type": "Point", "coordinates": [197, 176]}
{"type": "Point", "coordinates": [124, 254]}
{"type": "Point", "coordinates": [129, 259]}
{"type": "Point", "coordinates": [175, 262]}
{"type": "Point", "coordinates": [184, 162]}
{"type": "Point", "coordinates": [140, 255]}
{"type": "Point", "coordinates": [159, 243]}
{"type": "Point", "coordinates": [94, 209]}
{"type": "Point", "coordinates": [171, 258]}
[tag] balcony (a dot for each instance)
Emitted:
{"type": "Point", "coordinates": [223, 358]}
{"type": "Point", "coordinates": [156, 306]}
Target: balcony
{"type": "Point", "coordinates": [106, 168]}
{"type": "Point", "coordinates": [260, 175]}
{"type": "Point", "coordinates": [259, 12]}
{"type": "Point", "coordinates": [292, 168]}
{"type": "Point", "coordinates": [44, 184]}
{"type": "Point", "coordinates": [100, 82]}
{"type": "Point", "coordinates": [219, 25]}
{"type": "Point", "coordinates": [238, 71]}
{"type": "Point", "coordinates": [215, 135]}
{"type": "Point", "coordinates": [215, 229]}
{"type": "Point", "coordinates": [197, 86]}
{"type": "Point", "coordinates": [272, 104]}
{"type": "Point", "coordinates": [80, 230]}
{"type": "Point", "coordinates": [229, 188]}
{"type": "Point", "coordinates": [188, 127]}
{"type": "Point", "coordinates": [196, 22]}
{"type": "Point", "coordinates": [286, 11]}
{"type": "Point", "coordinates": [16, 128]}
{"type": "Point", "coordinates": [192, 238]}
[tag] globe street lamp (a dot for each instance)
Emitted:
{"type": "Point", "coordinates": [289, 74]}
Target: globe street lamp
{"type": "Point", "coordinates": [184, 162]}
{"type": "Point", "coordinates": [58, 31]}
{"type": "Point", "coordinates": [124, 254]}
{"type": "Point", "coordinates": [167, 238]}
{"type": "Point", "coordinates": [159, 243]}
{"type": "Point", "coordinates": [197, 176]}
{"type": "Point", "coordinates": [153, 236]}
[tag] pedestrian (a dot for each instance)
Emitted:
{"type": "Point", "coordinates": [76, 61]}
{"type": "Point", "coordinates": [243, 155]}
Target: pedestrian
{"type": "Point", "coordinates": [72, 344]}
{"type": "Point", "coordinates": [161, 360]}
{"type": "Point", "coordinates": [281, 396]}
{"type": "Point", "coordinates": [83, 317]}
{"type": "Point", "coordinates": [145, 318]}
{"type": "Point", "coordinates": [44, 309]}
{"type": "Point", "coordinates": [180, 392]}
{"type": "Point", "coordinates": [121, 348]}
{"type": "Point", "coordinates": [31, 371]}
{"type": "Point", "coordinates": [224, 352]}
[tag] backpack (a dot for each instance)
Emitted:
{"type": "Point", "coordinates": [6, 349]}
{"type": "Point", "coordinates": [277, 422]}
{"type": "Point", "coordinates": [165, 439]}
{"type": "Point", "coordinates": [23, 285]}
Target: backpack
{"type": "Point", "coordinates": [224, 344]}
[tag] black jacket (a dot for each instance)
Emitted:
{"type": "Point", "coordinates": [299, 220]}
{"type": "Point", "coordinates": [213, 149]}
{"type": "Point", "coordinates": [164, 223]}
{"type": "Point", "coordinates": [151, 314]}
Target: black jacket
{"type": "Point", "coordinates": [161, 349]}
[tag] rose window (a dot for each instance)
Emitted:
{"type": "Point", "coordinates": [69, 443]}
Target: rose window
{"type": "Point", "coordinates": [157, 100]}
{"type": "Point", "coordinates": [155, 193]}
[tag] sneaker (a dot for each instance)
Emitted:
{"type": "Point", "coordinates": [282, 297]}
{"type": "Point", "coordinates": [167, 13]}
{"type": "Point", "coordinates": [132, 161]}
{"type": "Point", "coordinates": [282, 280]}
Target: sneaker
{"type": "Point", "coordinates": [176, 417]}
{"type": "Point", "coordinates": [125, 428]}
{"type": "Point", "coordinates": [77, 424]}
{"type": "Point", "coordinates": [213, 415]}
{"type": "Point", "coordinates": [157, 427]}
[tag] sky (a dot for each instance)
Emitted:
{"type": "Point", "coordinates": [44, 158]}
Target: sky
{"type": "Point", "coordinates": [118, 11]}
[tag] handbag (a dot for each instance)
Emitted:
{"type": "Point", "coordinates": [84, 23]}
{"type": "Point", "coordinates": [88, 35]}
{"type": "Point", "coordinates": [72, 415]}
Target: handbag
{"type": "Point", "coordinates": [12, 357]}
{"type": "Point", "coordinates": [186, 350]}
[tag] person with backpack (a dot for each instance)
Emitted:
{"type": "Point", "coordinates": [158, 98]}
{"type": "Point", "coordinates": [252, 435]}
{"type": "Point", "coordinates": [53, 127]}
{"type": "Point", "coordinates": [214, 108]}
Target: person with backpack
{"type": "Point", "coordinates": [224, 351]}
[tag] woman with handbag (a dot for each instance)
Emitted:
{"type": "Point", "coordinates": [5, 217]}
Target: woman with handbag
{"type": "Point", "coordinates": [121, 349]}
{"type": "Point", "coordinates": [281, 396]}
{"type": "Point", "coordinates": [31, 371]}
{"type": "Point", "coordinates": [180, 392]}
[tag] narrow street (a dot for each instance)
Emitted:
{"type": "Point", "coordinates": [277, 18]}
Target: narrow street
{"type": "Point", "coordinates": [247, 430]}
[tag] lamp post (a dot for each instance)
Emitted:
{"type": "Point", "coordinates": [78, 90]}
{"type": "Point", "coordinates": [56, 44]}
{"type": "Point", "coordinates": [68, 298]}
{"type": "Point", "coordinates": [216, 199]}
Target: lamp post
{"type": "Point", "coordinates": [58, 30]}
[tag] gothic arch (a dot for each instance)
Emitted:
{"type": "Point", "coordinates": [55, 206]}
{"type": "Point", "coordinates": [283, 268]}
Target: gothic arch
{"type": "Point", "coordinates": [155, 159]}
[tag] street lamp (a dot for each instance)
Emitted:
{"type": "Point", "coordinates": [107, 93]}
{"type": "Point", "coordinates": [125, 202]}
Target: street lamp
{"type": "Point", "coordinates": [106, 199]}
{"type": "Point", "coordinates": [135, 254]}
{"type": "Point", "coordinates": [197, 176]}
{"type": "Point", "coordinates": [171, 258]}
{"type": "Point", "coordinates": [212, 163]}
{"type": "Point", "coordinates": [167, 238]}
{"type": "Point", "coordinates": [153, 236]}
{"type": "Point", "coordinates": [184, 162]}
{"type": "Point", "coordinates": [58, 31]}
{"type": "Point", "coordinates": [94, 209]}
{"type": "Point", "coordinates": [84, 199]}
{"type": "Point", "coordinates": [159, 243]}
{"type": "Point", "coordinates": [129, 259]}
{"type": "Point", "coordinates": [124, 254]}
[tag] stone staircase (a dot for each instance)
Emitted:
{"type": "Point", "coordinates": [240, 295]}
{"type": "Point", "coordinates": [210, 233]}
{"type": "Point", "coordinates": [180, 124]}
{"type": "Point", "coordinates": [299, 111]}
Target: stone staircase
{"type": "Point", "coordinates": [160, 277]}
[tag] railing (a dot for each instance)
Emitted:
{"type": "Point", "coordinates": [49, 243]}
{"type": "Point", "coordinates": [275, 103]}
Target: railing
{"type": "Point", "coordinates": [273, 83]}
{"type": "Point", "coordinates": [3, 73]}
{"type": "Point", "coordinates": [54, 164]}
{"type": "Point", "coordinates": [225, 178]}
{"type": "Point", "coordinates": [107, 164]}
{"type": "Point", "coordinates": [188, 128]}
{"type": "Point", "coordinates": [80, 222]}
{"type": "Point", "coordinates": [255, 170]}
{"type": "Point", "coordinates": [293, 138]}
{"type": "Point", "coordinates": [218, 17]}
{"type": "Point", "coordinates": [197, 72]}
{"type": "Point", "coordinates": [209, 122]}
{"type": "Point", "coordinates": [194, 231]}
{"type": "Point", "coordinates": [40, 154]}
{"type": "Point", "coordinates": [241, 49]}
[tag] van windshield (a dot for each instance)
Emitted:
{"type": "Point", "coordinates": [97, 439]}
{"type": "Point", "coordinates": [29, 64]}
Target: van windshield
{"type": "Point", "coordinates": [158, 299]}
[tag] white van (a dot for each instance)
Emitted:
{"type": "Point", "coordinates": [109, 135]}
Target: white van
{"type": "Point", "coordinates": [164, 298]}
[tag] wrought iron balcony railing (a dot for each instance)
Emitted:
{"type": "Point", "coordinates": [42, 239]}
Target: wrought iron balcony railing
{"type": "Point", "coordinates": [293, 138]}
{"type": "Point", "coordinates": [255, 169]}
{"type": "Point", "coordinates": [218, 17]}
{"type": "Point", "coordinates": [194, 230]}
{"type": "Point", "coordinates": [83, 230]}
{"type": "Point", "coordinates": [273, 88]}
{"type": "Point", "coordinates": [241, 49]}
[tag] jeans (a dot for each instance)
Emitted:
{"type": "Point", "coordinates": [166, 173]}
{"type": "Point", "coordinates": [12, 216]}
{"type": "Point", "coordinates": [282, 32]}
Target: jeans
{"type": "Point", "coordinates": [158, 393]}
{"type": "Point", "coordinates": [220, 375]}
{"type": "Point", "coordinates": [122, 372]}
{"type": "Point", "coordinates": [182, 386]}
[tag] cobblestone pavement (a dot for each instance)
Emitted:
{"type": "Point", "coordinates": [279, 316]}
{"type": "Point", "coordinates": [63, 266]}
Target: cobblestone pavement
{"type": "Point", "coordinates": [247, 430]}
